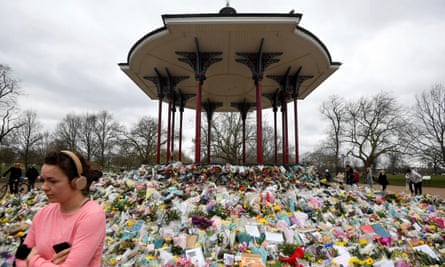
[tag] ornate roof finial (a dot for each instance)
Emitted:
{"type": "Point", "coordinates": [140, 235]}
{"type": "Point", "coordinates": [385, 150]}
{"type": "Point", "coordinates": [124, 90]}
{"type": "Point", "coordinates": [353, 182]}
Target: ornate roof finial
{"type": "Point", "coordinates": [227, 10]}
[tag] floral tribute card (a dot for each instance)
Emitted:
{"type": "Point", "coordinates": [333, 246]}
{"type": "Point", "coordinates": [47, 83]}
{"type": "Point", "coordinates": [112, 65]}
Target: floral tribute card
{"type": "Point", "coordinates": [248, 259]}
{"type": "Point", "coordinates": [195, 256]}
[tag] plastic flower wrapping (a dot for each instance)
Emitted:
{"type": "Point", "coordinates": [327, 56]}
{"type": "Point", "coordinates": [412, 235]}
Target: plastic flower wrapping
{"type": "Point", "coordinates": [227, 215]}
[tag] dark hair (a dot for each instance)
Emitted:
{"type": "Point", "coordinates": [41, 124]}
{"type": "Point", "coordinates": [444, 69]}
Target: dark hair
{"type": "Point", "coordinates": [68, 166]}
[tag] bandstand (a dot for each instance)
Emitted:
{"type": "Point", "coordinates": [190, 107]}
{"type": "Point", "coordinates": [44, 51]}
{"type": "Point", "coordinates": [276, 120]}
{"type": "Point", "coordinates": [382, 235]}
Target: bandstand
{"type": "Point", "coordinates": [229, 62]}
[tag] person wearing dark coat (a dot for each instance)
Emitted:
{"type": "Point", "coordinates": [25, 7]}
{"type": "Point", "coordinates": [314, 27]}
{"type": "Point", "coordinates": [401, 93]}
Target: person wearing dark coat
{"type": "Point", "coordinates": [15, 172]}
{"type": "Point", "coordinates": [349, 175]}
{"type": "Point", "coordinates": [32, 173]}
{"type": "Point", "coordinates": [383, 180]}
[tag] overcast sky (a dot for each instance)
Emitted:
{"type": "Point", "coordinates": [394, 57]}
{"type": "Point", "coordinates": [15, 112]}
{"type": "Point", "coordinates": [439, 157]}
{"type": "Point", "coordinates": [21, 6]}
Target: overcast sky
{"type": "Point", "coordinates": [65, 53]}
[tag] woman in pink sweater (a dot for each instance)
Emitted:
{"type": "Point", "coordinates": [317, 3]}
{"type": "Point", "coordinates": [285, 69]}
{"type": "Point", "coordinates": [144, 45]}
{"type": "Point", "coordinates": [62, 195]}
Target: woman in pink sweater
{"type": "Point", "coordinates": [70, 231]}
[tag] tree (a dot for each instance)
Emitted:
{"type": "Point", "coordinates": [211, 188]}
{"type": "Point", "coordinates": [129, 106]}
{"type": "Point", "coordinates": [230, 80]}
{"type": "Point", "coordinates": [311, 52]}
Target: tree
{"type": "Point", "coordinates": [107, 133]}
{"type": "Point", "coordinates": [334, 110]}
{"type": "Point", "coordinates": [9, 91]}
{"type": "Point", "coordinates": [67, 132]}
{"type": "Point", "coordinates": [28, 136]}
{"type": "Point", "coordinates": [87, 135]}
{"type": "Point", "coordinates": [429, 126]}
{"type": "Point", "coordinates": [142, 140]}
{"type": "Point", "coordinates": [269, 146]}
{"type": "Point", "coordinates": [43, 146]}
{"type": "Point", "coordinates": [373, 127]}
{"type": "Point", "coordinates": [322, 157]}
{"type": "Point", "coordinates": [227, 138]}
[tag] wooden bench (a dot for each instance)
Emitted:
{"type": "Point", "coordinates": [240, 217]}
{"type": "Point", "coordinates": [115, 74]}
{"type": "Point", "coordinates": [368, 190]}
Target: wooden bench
{"type": "Point", "coordinates": [426, 178]}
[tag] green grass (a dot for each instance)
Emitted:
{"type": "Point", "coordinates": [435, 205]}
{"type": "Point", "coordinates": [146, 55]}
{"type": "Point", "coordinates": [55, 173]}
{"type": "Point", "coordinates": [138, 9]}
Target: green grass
{"type": "Point", "coordinates": [399, 179]}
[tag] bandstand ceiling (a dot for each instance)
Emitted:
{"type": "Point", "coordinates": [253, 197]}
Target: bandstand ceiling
{"type": "Point", "coordinates": [228, 81]}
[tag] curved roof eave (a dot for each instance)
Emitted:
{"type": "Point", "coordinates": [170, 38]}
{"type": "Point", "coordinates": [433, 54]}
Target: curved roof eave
{"type": "Point", "coordinates": [321, 44]}
{"type": "Point", "coordinates": [142, 40]}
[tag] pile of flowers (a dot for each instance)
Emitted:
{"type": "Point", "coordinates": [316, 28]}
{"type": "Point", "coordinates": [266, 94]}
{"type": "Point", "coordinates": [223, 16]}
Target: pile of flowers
{"type": "Point", "coordinates": [226, 215]}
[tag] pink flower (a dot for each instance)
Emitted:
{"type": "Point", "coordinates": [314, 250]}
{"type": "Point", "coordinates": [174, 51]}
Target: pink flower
{"type": "Point", "coordinates": [402, 263]}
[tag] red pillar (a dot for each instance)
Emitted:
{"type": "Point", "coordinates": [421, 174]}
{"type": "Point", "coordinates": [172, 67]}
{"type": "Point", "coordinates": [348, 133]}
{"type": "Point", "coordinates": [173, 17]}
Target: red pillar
{"type": "Point", "coordinates": [286, 136]}
{"type": "Point", "coordinates": [209, 134]}
{"type": "Point", "coordinates": [258, 62]}
{"type": "Point", "coordinates": [297, 154]}
{"type": "Point", "coordinates": [198, 122]}
{"type": "Point", "coordinates": [181, 111]}
{"type": "Point", "coordinates": [275, 136]}
{"type": "Point", "coordinates": [244, 141]}
{"type": "Point", "coordinates": [259, 123]}
{"type": "Point", "coordinates": [173, 132]}
{"type": "Point", "coordinates": [167, 159]}
{"type": "Point", "coordinates": [158, 149]}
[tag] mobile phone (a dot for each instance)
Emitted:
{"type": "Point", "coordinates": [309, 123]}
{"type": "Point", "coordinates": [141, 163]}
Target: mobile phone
{"type": "Point", "coordinates": [61, 246]}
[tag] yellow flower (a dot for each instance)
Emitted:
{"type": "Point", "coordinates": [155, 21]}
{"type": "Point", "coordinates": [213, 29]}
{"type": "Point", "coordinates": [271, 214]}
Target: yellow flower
{"type": "Point", "coordinates": [20, 234]}
{"type": "Point", "coordinates": [112, 262]}
{"type": "Point", "coordinates": [369, 261]}
{"type": "Point", "coordinates": [110, 240]}
{"type": "Point", "coordinates": [276, 207]}
{"type": "Point", "coordinates": [353, 260]}
{"type": "Point", "coordinates": [363, 242]}
{"type": "Point", "coordinates": [340, 243]}
{"type": "Point", "coordinates": [150, 258]}
{"type": "Point", "coordinates": [263, 221]}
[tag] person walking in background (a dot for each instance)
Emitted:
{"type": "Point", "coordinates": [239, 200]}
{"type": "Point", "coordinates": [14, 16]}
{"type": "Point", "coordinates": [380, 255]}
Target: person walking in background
{"type": "Point", "coordinates": [328, 176]}
{"type": "Point", "coordinates": [369, 177]}
{"type": "Point", "coordinates": [416, 180]}
{"type": "Point", "coordinates": [383, 180]}
{"type": "Point", "coordinates": [349, 175]}
{"type": "Point", "coordinates": [15, 172]}
{"type": "Point", "coordinates": [409, 183]}
{"type": "Point", "coordinates": [32, 173]}
{"type": "Point", "coordinates": [356, 177]}
{"type": "Point", "coordinates": [70, 230]}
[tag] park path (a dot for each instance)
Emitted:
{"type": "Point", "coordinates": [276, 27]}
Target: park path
{"type": "Point", "coordinates": [425, 190]}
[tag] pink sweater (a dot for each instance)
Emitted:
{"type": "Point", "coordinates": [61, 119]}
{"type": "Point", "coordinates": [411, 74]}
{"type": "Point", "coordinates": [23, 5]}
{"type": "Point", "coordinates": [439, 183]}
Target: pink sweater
{"type": "Point", "coordinates": [84, 229]}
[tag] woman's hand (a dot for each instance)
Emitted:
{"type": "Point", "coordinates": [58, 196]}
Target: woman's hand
{"type": "Point", "coordinates": [31, 255]}
{"type": "Point", "coordinates": [60, 257]}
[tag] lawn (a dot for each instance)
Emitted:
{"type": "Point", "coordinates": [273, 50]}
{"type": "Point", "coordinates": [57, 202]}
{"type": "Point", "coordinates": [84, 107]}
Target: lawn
{"type": "Point", "coordinates": [399, 179]}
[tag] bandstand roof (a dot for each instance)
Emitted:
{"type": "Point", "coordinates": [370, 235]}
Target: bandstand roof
{"type": "Point", "coordinates": [227, 81]}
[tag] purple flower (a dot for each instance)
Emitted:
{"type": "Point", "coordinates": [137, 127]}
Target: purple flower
{"type": "Point", "coordinates": [201, 222]}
